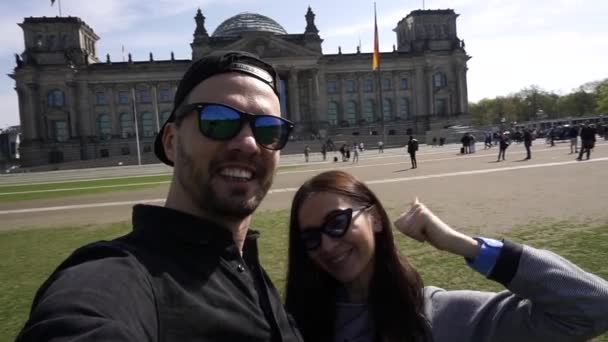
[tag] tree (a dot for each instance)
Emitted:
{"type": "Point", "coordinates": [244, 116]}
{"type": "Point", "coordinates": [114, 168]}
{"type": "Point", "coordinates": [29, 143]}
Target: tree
{"type": "Point", "coordinates": [602, 98]}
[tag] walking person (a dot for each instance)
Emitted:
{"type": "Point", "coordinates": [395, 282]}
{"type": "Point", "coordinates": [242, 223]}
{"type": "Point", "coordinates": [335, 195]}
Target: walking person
{"type": "Point", "coordinates": [573, 135]}
{"type": "Point", "coordinates": [306, 152]}
{"type": "Point", "coordinates": [380, 146]}
{"type": "Point", "coordinates": [472, 143]}
{"type": "Point", "coordinates": [412, 147]}
{"type": "Point", "coordinates": [466, 140]}
{"type": "Point", "coordinates": [189, 270]}
{"type": "Point", "coordinates": [528, 143]}
{"type": "Point", "coordinates": [503, 144]}
{"type": "Point", "coordinates": [355, 154]}
{"type": "Point", "coordinates": [488, 140]}
{"type": "Point", "coordinates": [588, 133]}
{"type": "Point", "coordinates": [324, 151]}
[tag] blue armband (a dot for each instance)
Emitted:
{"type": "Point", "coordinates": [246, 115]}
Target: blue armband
{"type": "Point", "coordinates": [489, 250]}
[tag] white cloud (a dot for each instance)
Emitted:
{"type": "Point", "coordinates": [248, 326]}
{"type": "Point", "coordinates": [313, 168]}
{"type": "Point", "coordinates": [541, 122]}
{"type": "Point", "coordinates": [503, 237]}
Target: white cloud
{"type": "Point", "coordinates": [10, 109]}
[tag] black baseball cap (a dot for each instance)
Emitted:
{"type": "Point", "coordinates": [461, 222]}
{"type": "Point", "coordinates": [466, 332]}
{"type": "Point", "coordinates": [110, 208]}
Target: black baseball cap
{"type": "Point", "coordinates": [216, 63]}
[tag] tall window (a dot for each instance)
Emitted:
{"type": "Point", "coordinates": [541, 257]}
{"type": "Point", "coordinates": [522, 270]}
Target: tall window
{"type": "Point", "coordinates": [164, 95]}
{"type": "Point", "coordinates": [404, 108]}
{"type": "Point", "coordinates": [100, 98]}
{"type": "Point", "coordinates": [368, 86]}
{"type": "Point", "coordinates": [104, 126]}
{"type": "Point", "coordinates": [387, 84]}
{"type": "Point", "coordinates": [439, 80]}
{"type": "Point", "coordinates": [123, 97]}
{"type": "Point", "coordinates": [351, 112]}
{"type": "Point", "coordinates": [147, 124]}
{"type": "Point", "coordinates": [56, 98]}
{"type": "Point", "coordinates": [144, 96]}
{"type": "Point", "coordinates": [351, 86]}
{"type": "Point", "coordinates": [441, 107]}
{"type": "Point", "coordinates": [164, 116]}
{"type": "Point", "coordinates": [332, 113]}
{"type": "Point", "coordinates": [60, 130]}
{"type": "Point", "coordinates": [332, 87]}
{"type": "Point", "coordinates": [126, 125]}
{"type": "Point", "coordinates": [387, 109]}
{"type": "Point", "coordinates": [368, 110]}
{"type": "Point", "coordinates": [405, 84]}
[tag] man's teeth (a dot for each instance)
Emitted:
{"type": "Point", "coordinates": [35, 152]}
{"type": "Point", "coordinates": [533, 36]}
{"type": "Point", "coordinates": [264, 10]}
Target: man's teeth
{"type": "Point", "coordinates": [340, 258]}
{"type": "Point", "coordinates": [237, 173]}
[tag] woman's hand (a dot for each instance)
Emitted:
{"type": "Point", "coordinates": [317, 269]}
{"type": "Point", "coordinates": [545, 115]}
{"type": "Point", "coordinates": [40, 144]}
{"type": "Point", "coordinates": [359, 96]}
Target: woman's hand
{"type": "Point", "coordinates": [421, 224]}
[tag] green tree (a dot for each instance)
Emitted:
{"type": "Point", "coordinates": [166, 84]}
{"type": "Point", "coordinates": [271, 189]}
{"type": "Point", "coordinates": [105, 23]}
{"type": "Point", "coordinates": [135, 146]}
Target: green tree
{"type": "Point", "coordinates": [602, 98]}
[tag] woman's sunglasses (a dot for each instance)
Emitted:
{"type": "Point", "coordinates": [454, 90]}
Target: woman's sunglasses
{"type": "Point", "coordinates": [336, 225]}
{"type": "Point", "coordinates": [220, 122]}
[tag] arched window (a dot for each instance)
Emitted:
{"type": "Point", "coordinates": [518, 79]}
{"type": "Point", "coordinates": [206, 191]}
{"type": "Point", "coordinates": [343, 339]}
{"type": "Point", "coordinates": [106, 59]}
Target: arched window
{"type": "Point", "coordinates": [164, 117]}
{"type": "Point", "coordinates": [332, 113]}
{"type": "Point", "coordinates": [439, 80]}
{"type": "Point", "coordinates": [55, 98]}
{"type": "Point", "coordinates": [387, 109]}
{"type": "Point", "coordinates": [368, 110]}
{"type": "Point", "coordinates": [404, 108]}
{"type": "Point", "coordinates": [147, 125]}
{"type": "Point", "coordinates": [104, 126]}
{"type": "Point", "coordinates": [126, 125]}
{"type": "Point", "coordinates": [351, 112]}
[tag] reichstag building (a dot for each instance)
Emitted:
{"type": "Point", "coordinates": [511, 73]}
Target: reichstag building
{"type": "Point", "coordinates": [77, 105]}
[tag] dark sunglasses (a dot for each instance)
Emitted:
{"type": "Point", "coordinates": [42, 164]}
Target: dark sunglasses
{"type": "Point", "coordinates": [336, 225]}
{"type": "Point", "coordinates": [220, 122]}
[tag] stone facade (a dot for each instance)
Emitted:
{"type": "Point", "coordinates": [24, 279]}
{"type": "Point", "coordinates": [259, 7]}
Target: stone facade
{"type": "Point", "coordinates": [74, 106]}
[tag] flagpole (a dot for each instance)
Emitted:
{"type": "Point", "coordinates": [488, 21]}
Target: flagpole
{"type": "Point", "coordinates": [377, 70]}
{"type": "Point", "coordinates": [136, 126]}
{"type": "Point", "coordinates": [59, 3]}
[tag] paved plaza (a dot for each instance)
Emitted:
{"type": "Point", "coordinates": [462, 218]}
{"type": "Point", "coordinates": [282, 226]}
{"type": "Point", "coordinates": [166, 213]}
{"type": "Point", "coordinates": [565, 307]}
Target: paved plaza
{"type": "Point", "coordinates": [471, 192]}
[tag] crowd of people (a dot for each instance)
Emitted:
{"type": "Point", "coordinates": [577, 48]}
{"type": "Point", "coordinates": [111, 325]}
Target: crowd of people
{"type": "Point", "coordinates": [190, 270]}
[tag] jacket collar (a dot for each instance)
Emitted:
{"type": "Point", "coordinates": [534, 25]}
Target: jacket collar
{"type": "Point", "coordinates": [169, 225]}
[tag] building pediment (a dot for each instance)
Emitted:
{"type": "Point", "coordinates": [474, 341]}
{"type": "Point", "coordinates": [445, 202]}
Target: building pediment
{"type": "Point", "coordinates": [269, 46]}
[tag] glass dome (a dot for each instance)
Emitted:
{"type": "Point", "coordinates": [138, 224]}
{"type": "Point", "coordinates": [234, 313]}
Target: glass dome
{"type": "Point", "coordinates": [247, 22]}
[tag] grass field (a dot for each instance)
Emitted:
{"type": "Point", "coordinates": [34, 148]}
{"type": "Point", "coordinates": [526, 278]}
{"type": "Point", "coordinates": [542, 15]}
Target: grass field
{"type": "Point", "coordinates": [28, 256]}
{"type": "Point", "coordinates": [24, 192]}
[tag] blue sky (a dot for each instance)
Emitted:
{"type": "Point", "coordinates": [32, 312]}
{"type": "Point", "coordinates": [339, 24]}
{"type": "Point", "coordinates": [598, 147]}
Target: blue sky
{"type": "Point", "coordinates": [556, 44]}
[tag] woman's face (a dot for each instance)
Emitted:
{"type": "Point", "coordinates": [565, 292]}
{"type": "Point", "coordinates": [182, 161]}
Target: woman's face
{"type": "Point", "coordinates": [348, 258]}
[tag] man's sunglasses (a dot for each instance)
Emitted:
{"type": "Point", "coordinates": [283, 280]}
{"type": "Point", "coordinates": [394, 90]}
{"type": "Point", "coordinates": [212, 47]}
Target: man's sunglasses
{"type": "Point", "coordinates": [220, 122]}
{"type": "Point", "coordinates": [336, 225]}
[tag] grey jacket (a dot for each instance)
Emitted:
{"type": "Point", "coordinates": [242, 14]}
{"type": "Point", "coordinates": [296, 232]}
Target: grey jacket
{"type": "Point", "coordinates": [548, 299]}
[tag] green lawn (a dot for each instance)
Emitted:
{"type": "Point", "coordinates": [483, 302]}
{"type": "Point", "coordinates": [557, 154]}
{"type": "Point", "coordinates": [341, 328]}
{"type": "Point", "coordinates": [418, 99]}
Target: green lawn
{"type": "Point", "coordinates": [24, 192]}
{"type": "Point", "coordinates": [28, 256]}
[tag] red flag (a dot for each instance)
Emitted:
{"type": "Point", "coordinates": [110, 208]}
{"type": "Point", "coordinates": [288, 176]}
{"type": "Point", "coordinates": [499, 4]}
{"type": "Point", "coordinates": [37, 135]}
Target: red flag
{"type": "Point", "coordinates": [376, 55]}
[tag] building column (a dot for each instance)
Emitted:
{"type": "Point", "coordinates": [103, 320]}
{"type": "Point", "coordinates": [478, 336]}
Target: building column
{"type": "Point", "coordinates": [28, 121]}
{"type": "Point", "coordinates": [113, 119]}
{"type": "Point", "coordinates": [36, 119]}
{"type": "Point", "coordinates": [464, 96]}
{"type": "Point", "coordinates": [84, 113]}
{"type": "Point", "coordinates": [420, 89]}
{"type": "Point", "coordinates": [341, 111]}
{"type": "Point", "coordinates": [73, 116]}
{"type": "Point", "coordinates": [360, 77]}
{"type": "Point", "coordinates": [154, 94]}
{"type": "Point", "coordinates": [428, 79]}
{"type": "Point", "coordinates": [322, 96]}
{"type": "Point", "coordinates": [294, 96]}
{"type": "Point", "coordinates": [396, 98]}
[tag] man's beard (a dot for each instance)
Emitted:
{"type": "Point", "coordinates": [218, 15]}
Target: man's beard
{"type": "Point", "coordinates": [233, 205]}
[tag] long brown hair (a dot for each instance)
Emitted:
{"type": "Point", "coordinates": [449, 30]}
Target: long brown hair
{"type": "Point", "coordinates": [395, 296]}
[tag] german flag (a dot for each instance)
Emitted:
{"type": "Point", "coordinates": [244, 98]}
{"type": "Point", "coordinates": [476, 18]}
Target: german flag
{"type": "Point", "coordinates": [376, 55]}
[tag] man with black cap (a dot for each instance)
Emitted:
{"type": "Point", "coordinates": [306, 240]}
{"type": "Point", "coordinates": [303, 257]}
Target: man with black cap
{"type": "Point", "coordinates": [189, 270]}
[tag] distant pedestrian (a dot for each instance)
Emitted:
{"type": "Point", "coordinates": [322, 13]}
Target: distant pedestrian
{"type": "Point", "coordinates": [528, 143]}
{"type": "Point", "coordinates": [361, 147]}
{"type": "Point", "coordinates": [347, 152]}
{"type": "Point", "coordinates": [441, 141]}
{"type": "Point", "coordinates": [355, 154]}
{"type": "Point", "coordinates": [434, 141]}
{"type": "Point", "coordinates": [306, 152]}
{"type": "Point", "coordinates": [380, 146]}
{"type": "Point", "coordinates": [503, 144]}
{"type": "Point", "coordinates": [412, 147]}
{"type": "Point", "coordinates": [472, 141]}
{"type": "Point", "coordinates": [466, 140]}
{"type": "Point", "coordinates": [488, 140]}
{"type": "Point", "coordinates": [343, 152]}
{"type": "Point", "coordinates": [573, 135]}
{"type": "Point", "coordinates": [324, 151]}
{"type": "Point", "coordinates": [588, 140]}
